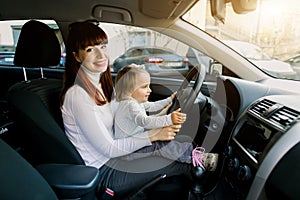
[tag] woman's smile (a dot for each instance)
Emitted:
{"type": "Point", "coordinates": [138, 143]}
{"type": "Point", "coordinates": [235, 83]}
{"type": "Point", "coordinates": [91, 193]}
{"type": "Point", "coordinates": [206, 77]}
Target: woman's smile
{"type": "Point", "coordinates": [101, 63]}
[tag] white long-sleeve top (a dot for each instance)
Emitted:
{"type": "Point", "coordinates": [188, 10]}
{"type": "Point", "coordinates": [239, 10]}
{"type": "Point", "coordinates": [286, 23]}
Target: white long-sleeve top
{"type": "Point", "coordinates": [90, 127]}
{"type": "Point", "coordinates": [131, 117]}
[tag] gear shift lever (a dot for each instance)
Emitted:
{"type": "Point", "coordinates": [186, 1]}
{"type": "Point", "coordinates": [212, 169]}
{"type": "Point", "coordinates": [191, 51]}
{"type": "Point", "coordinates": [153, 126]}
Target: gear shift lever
{"type": "Point", "coordinates": [196, 192]}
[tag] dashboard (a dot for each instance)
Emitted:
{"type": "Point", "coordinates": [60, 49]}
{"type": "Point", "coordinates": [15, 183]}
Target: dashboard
{"type": "Point", "coordinates": [261, 157]}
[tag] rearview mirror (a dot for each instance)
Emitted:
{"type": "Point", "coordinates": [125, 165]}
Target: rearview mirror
{"type": "Point", "coordinates": [216, 69]}
{"type": "Point", "coordinates": [218, 7]}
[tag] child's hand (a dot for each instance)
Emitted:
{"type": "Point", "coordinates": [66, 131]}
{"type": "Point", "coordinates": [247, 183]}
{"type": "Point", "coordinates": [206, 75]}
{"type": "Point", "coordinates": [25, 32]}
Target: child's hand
{"type": "Point", "coordinates": [173, 95]}
{"type": "Point", "coordinates": [178, 117]}
{"type": "Point", "coordinates": [164, 111]}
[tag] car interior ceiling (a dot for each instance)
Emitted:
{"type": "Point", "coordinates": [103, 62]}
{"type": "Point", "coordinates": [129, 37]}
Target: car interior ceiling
{"type": "Point", "coordinates": [51, 165]}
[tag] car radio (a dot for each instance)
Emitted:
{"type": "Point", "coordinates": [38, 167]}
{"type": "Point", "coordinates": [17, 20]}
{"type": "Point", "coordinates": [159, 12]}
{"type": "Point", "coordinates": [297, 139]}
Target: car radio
{"type": "Point", "coordinates": [256, 132]}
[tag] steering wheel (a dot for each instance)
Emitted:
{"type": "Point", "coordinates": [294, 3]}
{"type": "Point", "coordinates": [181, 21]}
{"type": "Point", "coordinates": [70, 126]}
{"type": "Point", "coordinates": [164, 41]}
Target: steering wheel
{"type": "Point", "coordinates": [186, 96]}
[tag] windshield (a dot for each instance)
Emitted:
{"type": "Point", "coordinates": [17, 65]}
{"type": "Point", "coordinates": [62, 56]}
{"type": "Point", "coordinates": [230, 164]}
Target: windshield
{"type": "Point", "coordinates": [268, 36]}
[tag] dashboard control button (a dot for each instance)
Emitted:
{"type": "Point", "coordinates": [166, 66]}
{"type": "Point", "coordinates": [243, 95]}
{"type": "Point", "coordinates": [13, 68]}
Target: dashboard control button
{"type": "Point", "coordinates": [244, 173]}
{"type": "Point", "coordinates": [233, 164]}
{"type": "Point", "coordinates": [229, 151]}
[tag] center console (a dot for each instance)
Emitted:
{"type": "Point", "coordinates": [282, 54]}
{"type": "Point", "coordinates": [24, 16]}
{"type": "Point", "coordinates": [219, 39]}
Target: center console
{"type": "Point", "coordinates": [257, 131]}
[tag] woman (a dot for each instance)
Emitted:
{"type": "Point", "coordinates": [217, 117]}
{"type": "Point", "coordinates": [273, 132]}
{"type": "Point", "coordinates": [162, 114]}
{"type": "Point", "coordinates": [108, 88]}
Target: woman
{"type": "Point", "coordinates": [87, 110]}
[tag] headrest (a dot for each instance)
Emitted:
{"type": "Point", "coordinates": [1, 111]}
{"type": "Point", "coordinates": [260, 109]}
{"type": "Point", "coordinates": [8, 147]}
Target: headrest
{"type": "Point", "coordinates": [37, 46]}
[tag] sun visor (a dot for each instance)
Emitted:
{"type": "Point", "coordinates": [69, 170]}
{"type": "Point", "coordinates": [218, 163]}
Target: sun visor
{"type": "Point", "coordinates": [107, 13]}
{"type": "Point", "coordinates": [166, 9]}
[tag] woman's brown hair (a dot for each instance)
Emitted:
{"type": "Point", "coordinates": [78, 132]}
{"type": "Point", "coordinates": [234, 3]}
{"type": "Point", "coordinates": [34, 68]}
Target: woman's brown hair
{"type": "Point", "coordinates": [81, 35]}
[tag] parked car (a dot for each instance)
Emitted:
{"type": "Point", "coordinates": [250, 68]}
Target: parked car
{"type": "Point", "coordinates": [247, 112]}
{"type": "Point", "coordinates": [157, 61]}
{"type": "Point", "coordinates": [7, 53]}
{"type": "Point", "coordinates": [262, 60]}
{"type": "Point", "coordinates": [295, 63]}
{"type": "Point", "coordinates": [8, 59]}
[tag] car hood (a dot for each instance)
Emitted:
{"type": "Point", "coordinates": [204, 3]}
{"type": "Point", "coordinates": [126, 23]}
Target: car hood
{"type": "Point", "coordinates": [274, 66]}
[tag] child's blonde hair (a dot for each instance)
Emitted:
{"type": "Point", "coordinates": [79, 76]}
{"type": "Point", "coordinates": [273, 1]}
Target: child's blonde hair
{"type": "Point", "coordinates": [126, 80]}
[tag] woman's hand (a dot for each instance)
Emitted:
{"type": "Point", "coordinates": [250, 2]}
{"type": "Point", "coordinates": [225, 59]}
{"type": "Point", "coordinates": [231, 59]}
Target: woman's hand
{"type": "Point", "coordinates": [164, 134]}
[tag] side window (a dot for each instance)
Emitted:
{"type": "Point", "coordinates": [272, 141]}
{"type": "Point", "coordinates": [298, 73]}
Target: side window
{"type": "Point", "coordinates": [9, 35]}
{"type": "Point", "coordinates": [161, 55]}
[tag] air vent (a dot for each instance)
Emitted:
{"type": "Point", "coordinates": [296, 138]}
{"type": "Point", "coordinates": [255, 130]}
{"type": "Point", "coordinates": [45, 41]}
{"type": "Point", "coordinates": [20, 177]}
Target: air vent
{"type": "Point", "coordinates": [284, 117]}
{"type": "Point", "coordinates": [277, 115]}
{"type": "Point", "coordinates": [261, 107]}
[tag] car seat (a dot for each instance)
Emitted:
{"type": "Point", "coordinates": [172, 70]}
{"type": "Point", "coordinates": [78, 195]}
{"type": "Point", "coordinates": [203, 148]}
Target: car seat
{"type": "Point", "coordinates": [35, 108]}
{"type": "Point", "coordinates": [35, 104]}
{"type": "Point", "coordinates": [19, 179]}
{"type": "Point", "coordinates": [36, 101]}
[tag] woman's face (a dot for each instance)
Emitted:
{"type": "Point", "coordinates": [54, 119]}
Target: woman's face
{"type": "Point", "coordinates": [94, 58]}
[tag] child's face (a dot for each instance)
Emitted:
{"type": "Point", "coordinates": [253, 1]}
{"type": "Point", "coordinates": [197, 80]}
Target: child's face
{"type": "Point", "coordinates": [142, 91]}
{"type": "Point", "coordinates": [93, 57]}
